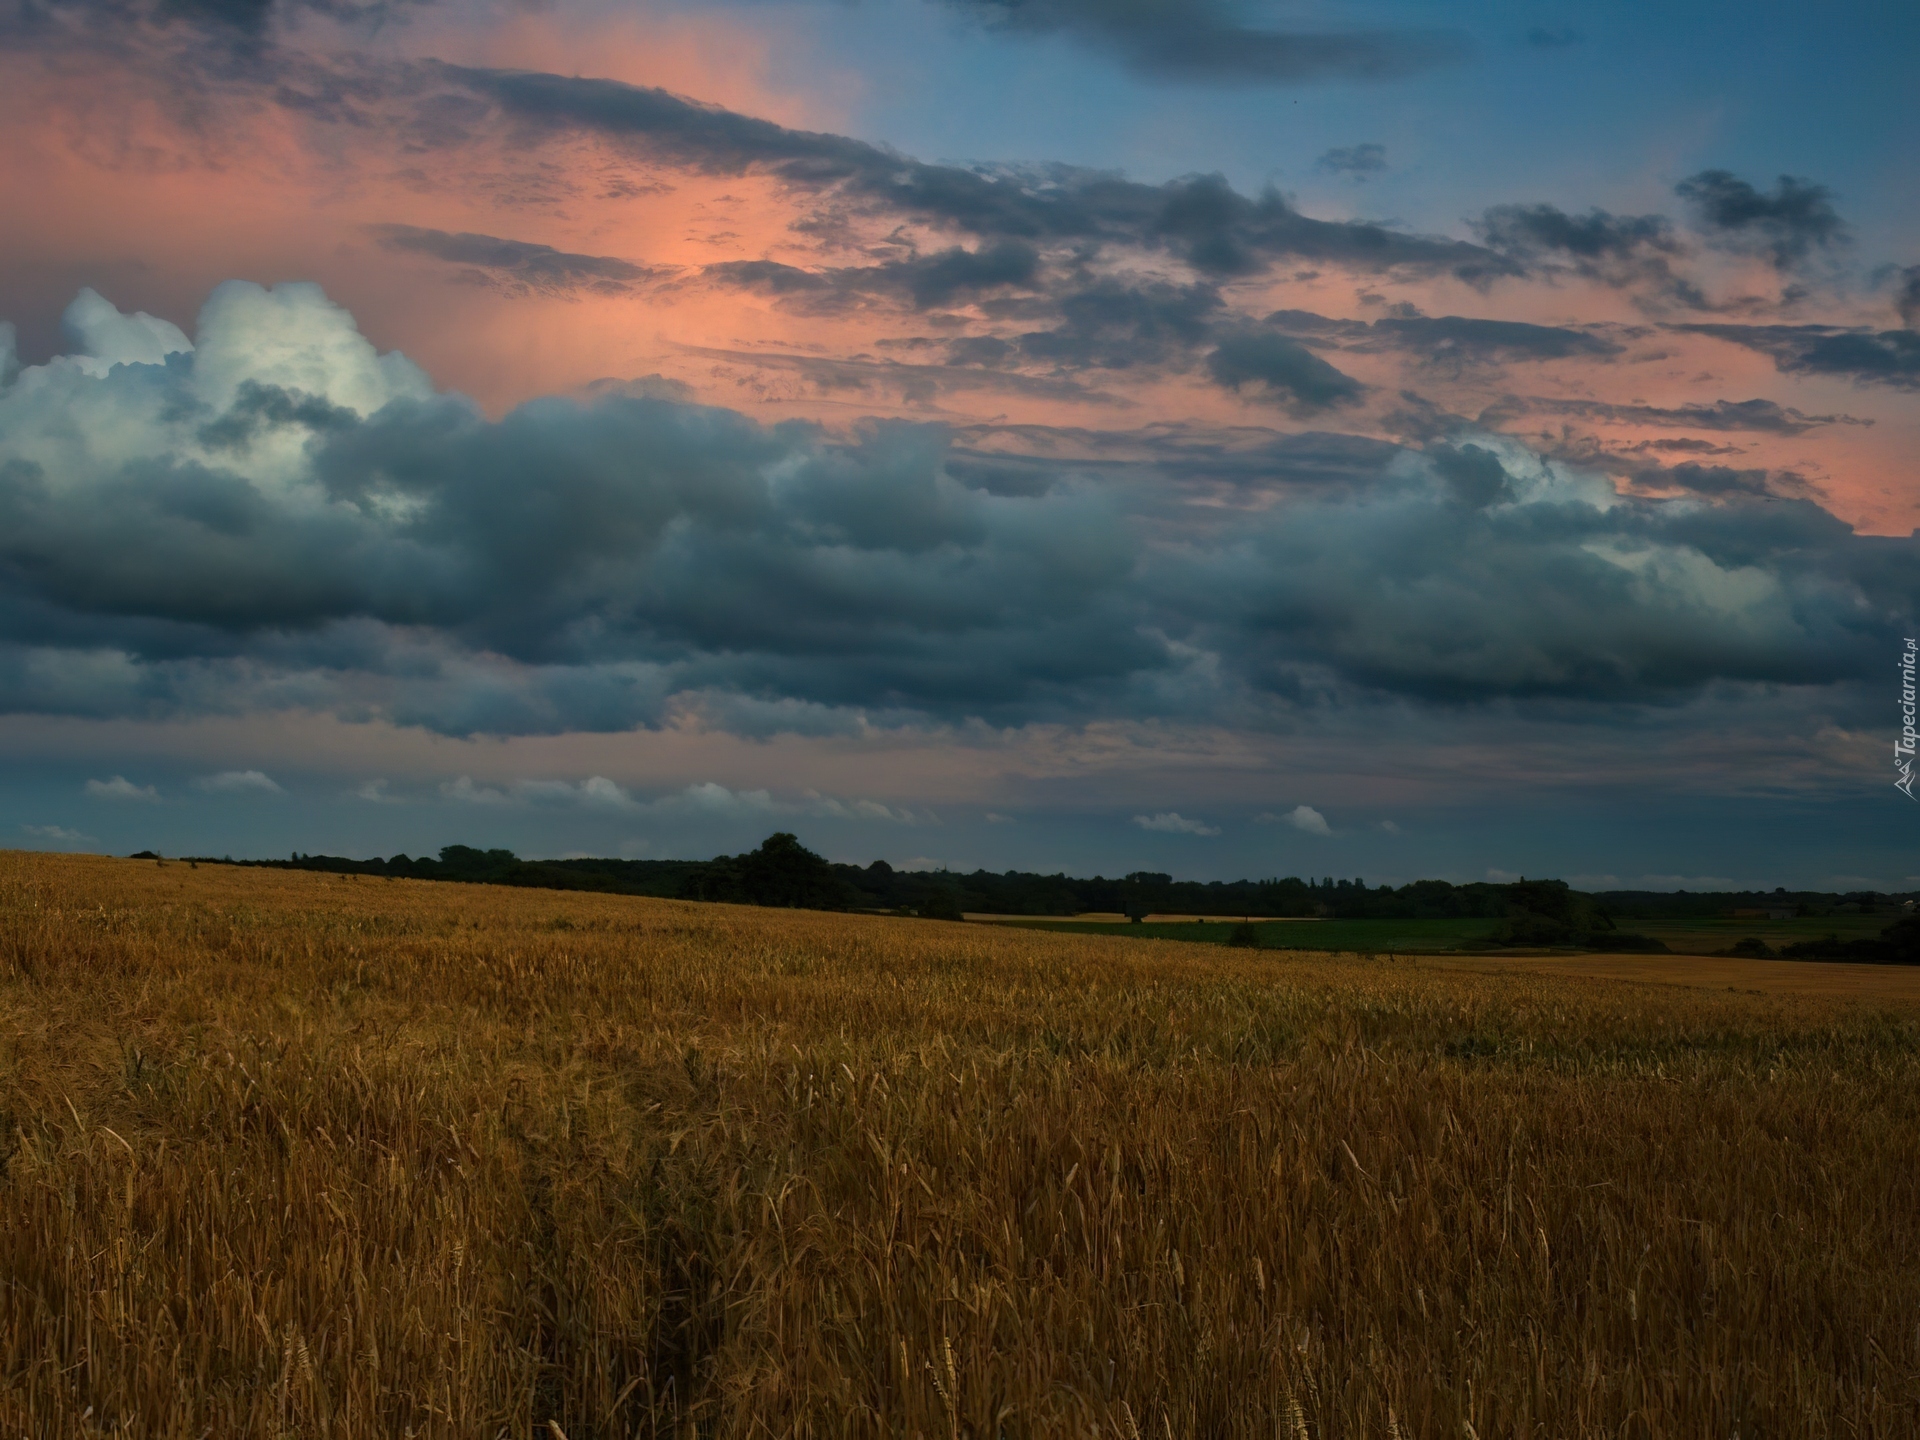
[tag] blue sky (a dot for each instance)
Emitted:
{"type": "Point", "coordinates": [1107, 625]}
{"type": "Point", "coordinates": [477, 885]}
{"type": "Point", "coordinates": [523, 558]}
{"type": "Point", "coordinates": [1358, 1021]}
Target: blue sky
{"type": "Point", "coordinates": [1578, 105]}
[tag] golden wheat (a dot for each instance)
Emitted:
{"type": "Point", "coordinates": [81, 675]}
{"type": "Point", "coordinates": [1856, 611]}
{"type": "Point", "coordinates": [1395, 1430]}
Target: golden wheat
{"type": "Point", "coordinates": [286, 1154]}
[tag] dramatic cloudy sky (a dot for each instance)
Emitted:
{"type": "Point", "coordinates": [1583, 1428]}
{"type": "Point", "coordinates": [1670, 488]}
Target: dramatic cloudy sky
{"type": "Point", "coordinates": [1382, 439]}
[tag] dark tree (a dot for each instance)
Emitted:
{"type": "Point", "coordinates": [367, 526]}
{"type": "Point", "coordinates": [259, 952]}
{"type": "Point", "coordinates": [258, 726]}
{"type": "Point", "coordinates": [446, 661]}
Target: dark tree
{"type": "Point", "coordinates": [782, 872]}
{"type": "Point", "coordinates": [942, 903]}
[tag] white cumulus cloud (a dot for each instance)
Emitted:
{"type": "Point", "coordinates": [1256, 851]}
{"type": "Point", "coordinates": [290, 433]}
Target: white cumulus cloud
{"type": "Point", "coordinates": [829, 808]}
{"type": "Point", "coordinates": [709, 798]}
{"type": "Point", "coordinates": [1172, 822]}
{"type": "Point", "coordinates": [598, 790]}
{"type": "Point", "coordinates": [238, 782]}
{"type": "Point", "coordinates": [1307, 819]}
{"type": "Point", "coordinates": [103, 338]}
{"type": "Point", "coordinates": [465, 791]}
{"type": "Point", "coordinates": [120, 788]}
{"type": "Point", "coordinates": [56, 834]}
{"type": "Point", "coordinates": [706, 799]}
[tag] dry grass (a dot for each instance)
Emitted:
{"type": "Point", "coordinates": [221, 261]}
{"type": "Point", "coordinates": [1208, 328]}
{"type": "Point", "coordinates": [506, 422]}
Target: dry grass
{"type": "Point", "coordinates": [287, 1154]}
{"type": "Point", "coordinates": [1718, 972]}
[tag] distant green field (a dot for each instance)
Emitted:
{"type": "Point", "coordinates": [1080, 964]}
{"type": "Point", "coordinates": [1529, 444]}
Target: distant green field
{"type": "Point", "coordinates": [1379, 936]}
{"type": "Point", "coordinates": [1706, 935]}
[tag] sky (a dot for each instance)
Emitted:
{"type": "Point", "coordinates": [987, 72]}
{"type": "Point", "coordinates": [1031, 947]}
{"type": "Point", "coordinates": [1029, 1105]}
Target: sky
{"type": "Point", "coordinates": [1390, 440]}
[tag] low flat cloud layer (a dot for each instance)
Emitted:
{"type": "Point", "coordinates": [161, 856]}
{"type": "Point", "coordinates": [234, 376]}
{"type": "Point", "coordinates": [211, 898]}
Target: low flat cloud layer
{"type": "Point", "coordinates": [517, 266]}
{"type": "Point", "coordinates": [1209, 40]}
{"type": "Point", "coordinates": [1172, 822]}
{"type": "Point", "coordinates": [238, 782]}
{"type": "Point", "coordinates": [120, 788]}
{"type": "Point", "coordinates": [1358, 161]}
{"type": "Point", "coordinates": [1885, 357]}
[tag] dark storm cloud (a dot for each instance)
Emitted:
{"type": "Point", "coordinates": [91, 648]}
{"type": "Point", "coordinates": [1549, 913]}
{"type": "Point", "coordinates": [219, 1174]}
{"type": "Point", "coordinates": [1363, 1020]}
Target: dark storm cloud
{"type": "Point", "coordinates": [1482, 587]}
{"type": "Point", "coordinates": [1093, 322]}
{"type": "Point", "coordinates": [1220, 232]}
{"type": "Point", "coordinates": [34, 19]}
{"type": "Point", "coordinates": [516, 265]}
{"type": "Point", "coordinates": [771, 277]}
{"type": "Point", "coordinates": [1755, 416]}
{"type": "Point", "coordinates": [1201, 219]}
{"type": "Point", "coordinates": [1289, 372]}
{"type": "Point", "coordinates": [1205, 40]}
{"type": "Point", "coordinates": [196, 533]}
{"type": "Point", "coordinates": [1886, 357]}
{"type": "Point", "coordinates": [1319, 327]}
{"type": "Point", "coordinates": [1623, 251]}
{"type": "Point", "coordinates": [1473, 474]}
{"type": "Point", "coordinates": [917, 384]}
{"type": "Point", "coordinates": [189, 42]}
{"type": "Point", "coordinates": [1787, 225]}
{"type": "Point", "coordinates": [1030, 459]}
{"type": "Point", "coordinates": [948, 276]}
{"type": "Point", "coordinates": [1906, 297]}
{"type": "Point", "coordinates": [1080, 321]}
{"type": "Point", "coordinates": [1257, 458]}
{"type": "Point", "coordinates": [1448, 338]}
{"type": "Point", "coordinates": [1200, 40]}
{"type": "Point", "coordinates": [1535, 230]}
{"type": "Point", "coordinates": [1359, 161]}
{"type": "Point", "coordinates": [1121, 325]}
{"type": "Point", "coordinates": [957, 272]}
{"type": "Point", "coordinates": [1114, 324]}
{"type": "Point", "coordinates": [257, 408]}
{"type": "Point", "coordinates": [434, 107]}
{"type": "Point", "coordinates": [657, 537]}
{"type": "Point", "coordinates": [1715, 480]}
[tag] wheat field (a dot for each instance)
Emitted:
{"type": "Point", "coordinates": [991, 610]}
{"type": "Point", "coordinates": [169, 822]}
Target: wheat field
{"type": "Point", "coordinates": [285, 1154]}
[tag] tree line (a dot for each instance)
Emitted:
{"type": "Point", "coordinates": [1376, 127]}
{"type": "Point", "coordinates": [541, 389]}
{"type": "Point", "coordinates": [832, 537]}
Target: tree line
{"type": "Point", "coordinates": [783, 872]}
